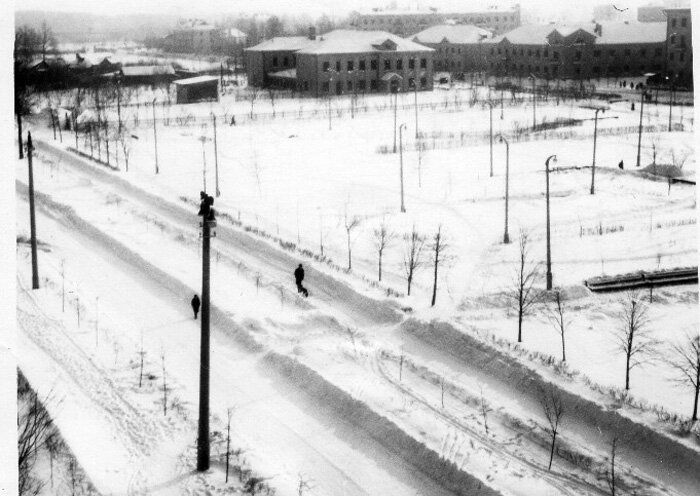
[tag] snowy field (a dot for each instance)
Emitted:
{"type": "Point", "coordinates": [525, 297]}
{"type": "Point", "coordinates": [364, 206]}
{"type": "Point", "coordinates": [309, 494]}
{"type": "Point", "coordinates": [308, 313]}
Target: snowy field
{"type": "Point", "coordinates": [299, 180]}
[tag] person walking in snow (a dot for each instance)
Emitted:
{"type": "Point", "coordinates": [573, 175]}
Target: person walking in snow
{"type": "Point", "coordinates": [195, 305]}
{"type": "Point", "coordinates": [621, 165]}
{"type": "Point", "coordinates": [299, 278]}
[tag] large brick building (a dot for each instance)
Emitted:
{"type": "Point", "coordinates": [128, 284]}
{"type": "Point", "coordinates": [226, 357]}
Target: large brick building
{"type": "Point", "coordinates": [342, 61]}
{"type": "Point", "coordinates": [458, 47]}
{"type": "Point", "coordinates": [579, 51]}
{"type": "Point", "coordinates": [409, 22]}
{"type": "Point", "coordinates": [679, 46]}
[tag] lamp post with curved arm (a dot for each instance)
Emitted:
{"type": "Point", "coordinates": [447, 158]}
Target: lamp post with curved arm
{"type": "Point", "coordinates": [502, 139]}
{"type": "Point", "coordinates": [401, 127]}
{"type": "Point", "coordinates": [490, 104]}
{"type": "Point", "coordinates": [549, 249]}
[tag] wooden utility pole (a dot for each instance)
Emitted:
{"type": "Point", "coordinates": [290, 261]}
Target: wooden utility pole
{"type": "Point", "coordinates": [639, 140]}
{"type": "Point", "coordinates": [32, 216]}
{"type": "Point", "coordinates": [208, 222]}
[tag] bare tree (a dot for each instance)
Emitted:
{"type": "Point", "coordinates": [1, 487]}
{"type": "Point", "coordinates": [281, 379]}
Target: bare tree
{"type": "Point", "coordinates": [439, 247]}
{"type": "Point", "coordinates": [271, 93]}
{"type": "Point", "coordinates": [350, 225]}
{"type": "Point", "coordinates": [304, 483]}
{"type": "Point", "coordinates": [229, 413]}
{"type": "Point", "coordinates": [484, 408]}
{"type": "Point", "coordinates": [610, 476]}
{"type": "Point", "coordinates": [632, 337]}
{"type": "Point", "coordinates": [125, 141]}
{"type": "Point", "coordinates": [557, 316]}
{"type": "Point", "coordinates": [678, 159]}
{"type": "Point", "coordinates": [34, 426]}
{"type": "Point", "coordinates": [685, 361]}
{"type": "Point", "coordinates": [253, 92]}
{"type": "Point", "coordinates": [142, 354]}
{"type": "Point", "coordinates": [383, 237]}
{"type": "Point", "coordinates": [54, 447]}
{"type": "Point", "coordinates": [412, 260]}
{"type": "Point", "coordinates": [47, 39]}
{"type": "Point", "coordinates": [523, 295]}
{"type": "Point", "coordinates": [165, 387]}
{"type": "Point", "coordinates": [554, 412]}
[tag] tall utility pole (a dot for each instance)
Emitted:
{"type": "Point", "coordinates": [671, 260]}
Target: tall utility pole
{"type": "Point", "coordinates": [506, 237]}
{"type": "Point", "coordinates": [639, 140]}
{"type": "Point", "coordinates": [670, 107]}
{"type": "Point", "coordinates": [216, 158]}
{"type": "Point", "coordinates": [396, 104]}
{"type": "Point", "coordinates": [155, 136]}
{"type": "Point", "coordinates": [208, 222]}
{"type": "Point", "coordinates": [549, 246]}
{"type": "Point", "coordinates": [490, 104]}
{"type": "Point", "coordinates": [32, 216]}
{"type": "Point", "coordinates": [415, 93]}
{"type": "Point", "coordinates": [403, 207]}
{"type": "Point", "coordinates": [595, 135]}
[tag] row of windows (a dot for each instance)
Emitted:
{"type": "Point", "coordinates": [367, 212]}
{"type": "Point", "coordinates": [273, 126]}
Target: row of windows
{"type": "Point", "coordinates": [361, 85]}
{"type": "Point", "coordinates": [285, 61]}
{"type": "Point", "coordinates": [673, 40]}
{"type": "Point", "coordinates": [596, 53]}
{"type": "Point", "coordinates": [684, 22]}
{"type": "Point", "coordinates": [397, 64]}
{"type": "Point", "coordinates": [612, 69]}
{"type": "Point", "coordinates": [426, 20]}
{"type": "Point", "coordinates": [448, 50]}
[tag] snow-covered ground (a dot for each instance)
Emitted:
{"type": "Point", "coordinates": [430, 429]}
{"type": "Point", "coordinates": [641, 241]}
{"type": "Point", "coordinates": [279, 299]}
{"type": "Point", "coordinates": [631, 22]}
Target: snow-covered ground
{"type": "Point", "coordinates": [297, 180]}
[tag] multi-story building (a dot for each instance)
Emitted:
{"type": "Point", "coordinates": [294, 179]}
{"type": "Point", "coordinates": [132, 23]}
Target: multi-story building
{"type": "Point", "coordinates": [409, 22]}
{"type": "Point", "coordinates": [342, 61]}
{"type": "Point", "coordinates": [458, 47]}
{"type": "Point", "coordinates": [679, 46]}
{"type": "Point", "coordinates": [579, 51]}
{"type": "Point", "coordinates": [194, 36]}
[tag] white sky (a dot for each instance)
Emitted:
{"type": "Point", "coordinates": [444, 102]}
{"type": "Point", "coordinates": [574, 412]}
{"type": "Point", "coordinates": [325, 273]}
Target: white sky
{"type": "Point", "coordinates": [312, 7]}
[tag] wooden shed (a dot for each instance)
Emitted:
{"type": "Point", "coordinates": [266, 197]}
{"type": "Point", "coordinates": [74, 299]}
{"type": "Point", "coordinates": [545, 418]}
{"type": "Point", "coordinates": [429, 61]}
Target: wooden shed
{"type": "Point", "coordinates": [197, 89]}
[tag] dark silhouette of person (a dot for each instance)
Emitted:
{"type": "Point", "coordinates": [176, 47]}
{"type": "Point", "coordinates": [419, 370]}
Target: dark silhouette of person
{"type": "Point", "coordinates": [299, 278]}
{"type": "Point", "coordinates": [621, 165]}
{"type": "Point", "coordinates": [233, 120]}
{"type": "Point", "coordinates": [195, 305]}
{"type": "Point", "coordinates": [205, 206]}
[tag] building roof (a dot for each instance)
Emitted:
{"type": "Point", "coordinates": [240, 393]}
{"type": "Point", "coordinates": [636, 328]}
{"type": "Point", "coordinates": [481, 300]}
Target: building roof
{"type": "Point", "coordinates": [611, 33]}
{"type": "Point", "coordinates": [352, 41]}
{"type": "Point", "coordinates": [235, 33]}
{"type": "Point", "coordinates": [196, 80]}
{"type": "Point", "coordinates": [147, 70]}
{"type": "Point", "coordinates": [278, 43]}
{"type": "Point", "coordinates": [451, 33]}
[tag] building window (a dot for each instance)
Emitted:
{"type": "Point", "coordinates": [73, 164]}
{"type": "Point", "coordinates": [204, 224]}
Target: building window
{"type": "Point", "coordinates": [399, 65]}
{"type": "Point", "coordinates": [338, 88]}
{"type": "Point", "coordinates": [683, 40]}
{"type": "Point", "coordinates": [578, 71]}
{"type": "Point", "coordinates": [362, 85]}
{"type": "Point", "coordinates": [555, 55]}
{"type": "Point", "coordinates": [522, 52]}
{"type": "Point", "coordinates": [411, 63]}
{"type": "Point", "coordinates": [492, 51]}
{"type": "Point", "coordinates": [349, 85]}
{"type": "Point", "coordinates": [681, 56]}
{"type": "Point", "coordinates": [274, 61]}
{"type": "Point", "coordinates": [498, 51]}
{"type": "Point", "coordinates": [350, 65]}
{"type": "Point", "coordinates": [643, 52]}
{"type": "Point", "coordinates": [373, 85]}
{"type": "Point", "coordinates": [673, 23]}
{"type": "Point", "coordinates": [326, 86]}
{"type": "Point", "coordinates": [373, 64]}
{"type": "Point", "coordinates": [326, 66]}
{"type": "Point", "coordinates": [596, 69]}
{"type": "Point", "coordinates": [546, 52]}
{"type": "Point", "coordinates": [387, 64]}
{"type": "Point", "coordinates": [337, 66]}
{"type": "Point", "coordinates": [546, 70]}
{"type": "Point", "coordinates": [537, 68]}
{"type": "Point", "coordinates": [286, 61]}
{"type": "Point", "coordinates": [363, 65]}
{"type": "Point", "coordinates": [423, 82]}
{"type": "Point", "coordinates": [537, 53]}
{"type": "Point", "coordinates": [684, 22]}
{"type": "Point", "coordinates": [423, 63]}
{"type": "Point", "coordinates": [673, 39]}
{"type": "Point", "coordinates": [306, 86]}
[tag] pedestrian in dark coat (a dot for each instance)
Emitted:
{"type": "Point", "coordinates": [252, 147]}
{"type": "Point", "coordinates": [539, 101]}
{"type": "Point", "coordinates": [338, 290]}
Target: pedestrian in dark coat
{"type": "Point", "coordinates": [299, 277]}
{"type": "Point", "coordinates": [621, 165]}
{"type": "Point", "coordinates": [195, 305]}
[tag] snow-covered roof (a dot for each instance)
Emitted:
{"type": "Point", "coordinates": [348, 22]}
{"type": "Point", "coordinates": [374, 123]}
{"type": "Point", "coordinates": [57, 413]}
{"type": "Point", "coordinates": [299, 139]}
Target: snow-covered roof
{"type": "Point", "coordinates": [196, 80]}
{"type": "Point", "coordinates": [147, 70]}
{"type": "Point", "coordinates": [610, 33]}
{"type": "Point", "coordinates": [281, 43]}
{"type": "Point", "coordinates": [451, 33]}
{"type": "Point", "coordinates": [235, 33]}
{"type": "Point", "coordinates": [351, 41]}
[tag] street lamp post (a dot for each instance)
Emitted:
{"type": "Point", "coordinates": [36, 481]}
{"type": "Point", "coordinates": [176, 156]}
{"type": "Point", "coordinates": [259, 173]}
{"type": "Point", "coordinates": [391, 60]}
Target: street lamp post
{"type": "Point", "coordinates": [549, 249]}
{"type": "Point", "coordinates": [502, 139]}
{"type": "Point", "coordinates": [396, 104]}
{"type": "Point", "coordinates": [415, 94]}
{"type": "Point", "coordinates": [534, 100]}
{"type": "Point", "coordinates": [595, 134]}
{"type": "Point", "coordinates": [401, 127]}
{"type": "Point", "coordinates": [639, 140]}
{"type": "Point", "coordinates": [490, 104]}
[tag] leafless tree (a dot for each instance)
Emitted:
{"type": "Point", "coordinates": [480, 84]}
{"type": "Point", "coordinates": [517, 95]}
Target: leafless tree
{"type": "Point", "coordinates": [253, 91]}
{"type": "Point", "coordinates": [485, 410]}
{"type": "Point", "coordinates": [125, 141]}
{"type": "Point", "coordinates": [412, 260]}
{"type": "Point", "coordinates": [165, 387]}
{"type": "Point", "coordinates": [554, 412]}
{"type": "Point", "coordinates": [34, 426]}
{"type": "Point", "coordinates": [54, 447]}
{"type": "Point", "coordinates": [383, 237]}
{"type": "Point", "coordinates": [633, 337]}
{"type": "Point", "coordinates": [438, 247]}
{"type": "Point", "coordinates": [271, 93]}
{"type": "Point", "coordinates": [47, 40]}
{"type": "Point", "coordinates": [523, 295]}
{"type": "Point", "coordinates": [685, 360]}
{"type": "Point", "coordinates": [679, 158]}
{"type": "Point", "coordinates": [557, 315]}
{"type": "Point", "coordinates": [304, 484]}
{"type": "Point", "coordinates": [610, 476]}
{"type": "Point", "coordinates": [142, 354]}
{"type": "Point", "coordinates": [229, 414]}
{"type": "Point", "coordinates": [350, 225]}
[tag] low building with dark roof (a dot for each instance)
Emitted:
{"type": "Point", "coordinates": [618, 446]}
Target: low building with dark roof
{"type": "Point", "coordinates": [342, 61]}
{"type": "Point", "coordinates": [579, 51]}
{"type": "Point", "coordinates": [458, 47]}
{"type": "Point", "coordinates": [147, 74]}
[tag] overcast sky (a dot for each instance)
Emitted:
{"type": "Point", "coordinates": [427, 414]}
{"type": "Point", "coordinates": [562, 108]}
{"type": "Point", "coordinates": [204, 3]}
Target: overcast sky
{"type": "Point", "coordinates": [312, 7]}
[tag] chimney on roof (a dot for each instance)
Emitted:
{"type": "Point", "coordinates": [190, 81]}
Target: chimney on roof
{"type": "Point", "coordinates": [598, 29]}
{"type": "Point", "coordinates": [312, 33]}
